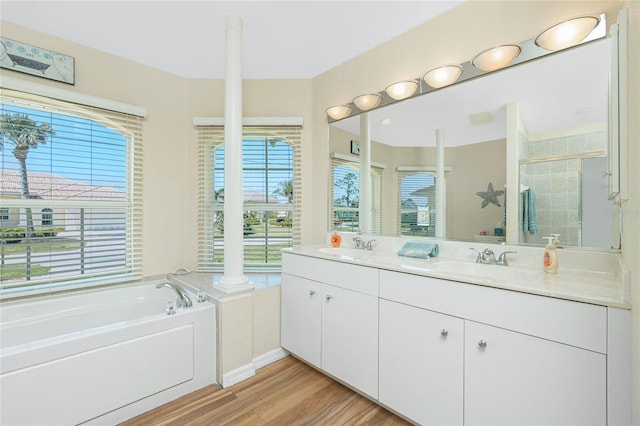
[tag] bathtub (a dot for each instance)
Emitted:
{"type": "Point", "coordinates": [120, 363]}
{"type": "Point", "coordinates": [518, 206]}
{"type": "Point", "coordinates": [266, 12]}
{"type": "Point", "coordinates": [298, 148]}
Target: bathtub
{"type": "Point", "coordinates": [101, 356]}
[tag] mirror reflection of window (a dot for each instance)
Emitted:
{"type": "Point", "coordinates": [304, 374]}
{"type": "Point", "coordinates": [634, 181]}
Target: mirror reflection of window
{"type": "Point", "coordinates": [417, 204]}
{"type": "Point", "coordinates": [345, 193]}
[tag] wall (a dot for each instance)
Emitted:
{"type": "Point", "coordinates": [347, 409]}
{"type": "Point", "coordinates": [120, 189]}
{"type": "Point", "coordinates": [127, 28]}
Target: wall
{"type": "Point", "coordinates": [473, 168]}
{"type": "Point", "coordinates": [631, 209]}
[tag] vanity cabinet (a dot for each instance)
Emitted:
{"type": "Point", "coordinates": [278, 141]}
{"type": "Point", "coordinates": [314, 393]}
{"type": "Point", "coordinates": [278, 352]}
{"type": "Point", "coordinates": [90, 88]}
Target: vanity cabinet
{"type": "Point", "coordinates": [330, 318]}
{"type": "Point", "coordinates": [350, 337]}
{"type": "Point", "coordinates": [442, 352]}
{"type": "Point", "coordinates": [301, 317]}
{"type": "Point", "coordinates": [508, 358]}
{"type": "Point", "coordinates": [512, 378]}
{"type": "Point", "coordinates": [421, 360]}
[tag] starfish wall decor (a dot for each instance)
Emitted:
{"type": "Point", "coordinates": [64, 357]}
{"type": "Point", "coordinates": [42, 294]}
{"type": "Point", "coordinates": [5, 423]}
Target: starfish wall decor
{"type": "Point", "coordinates": [489, 196]}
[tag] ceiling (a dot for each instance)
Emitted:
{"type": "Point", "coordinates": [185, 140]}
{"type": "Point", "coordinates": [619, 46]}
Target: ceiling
{"type": "Point", "coordinates": [281, 39]}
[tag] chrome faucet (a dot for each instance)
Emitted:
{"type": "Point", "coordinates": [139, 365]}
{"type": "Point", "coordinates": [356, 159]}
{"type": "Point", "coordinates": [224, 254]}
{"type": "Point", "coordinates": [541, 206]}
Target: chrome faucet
{"type": "Point", "coordinates": [361, 244]}
{"type": "Point", "coordinates": [487, 257]}
{"type": "Point", "coordinates": [183, 301]}
{"type": "Point", "coordinates": [502, 259]}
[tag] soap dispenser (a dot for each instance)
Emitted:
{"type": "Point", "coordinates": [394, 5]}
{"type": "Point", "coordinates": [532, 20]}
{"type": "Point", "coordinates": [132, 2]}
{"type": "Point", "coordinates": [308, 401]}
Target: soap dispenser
{"type": "Point", "coordinates": [550, 257]}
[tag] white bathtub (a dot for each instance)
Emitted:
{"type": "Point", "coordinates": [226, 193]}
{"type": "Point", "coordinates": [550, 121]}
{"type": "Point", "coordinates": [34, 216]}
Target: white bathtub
{"type": "Point", "coordinates": [101, 356]}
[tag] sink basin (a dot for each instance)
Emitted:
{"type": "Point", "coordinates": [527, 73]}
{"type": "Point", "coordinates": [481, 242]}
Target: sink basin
{"type": "Point", "coordinates": [478, 270]}
{"type": "Point", "coordinates": [343, 252]}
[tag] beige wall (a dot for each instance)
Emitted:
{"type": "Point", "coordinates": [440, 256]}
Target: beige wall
{"type": "Point", "coordinates": [473, 167]}
{"type": "Point", "coordinates": [631, 209]}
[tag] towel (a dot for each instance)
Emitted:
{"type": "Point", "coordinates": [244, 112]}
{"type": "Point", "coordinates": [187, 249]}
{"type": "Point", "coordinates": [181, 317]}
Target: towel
{"type": "Point", "coordinates": [419, 250]}
{"type": "Point", "coordinates": [529, 216]}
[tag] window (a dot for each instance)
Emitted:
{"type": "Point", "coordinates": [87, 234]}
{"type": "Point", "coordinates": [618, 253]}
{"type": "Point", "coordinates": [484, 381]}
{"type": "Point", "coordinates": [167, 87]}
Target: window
{"type": "Point", "coordinates": [47, 217]}
{"type": "Point", "coordinates": [271, 199]}
{"type": "Point", "coordinates": [417, 208]}
{"type": "Point", "coordinates": [74, 195]}
{"type": "Point", "coordinates": [345, 193]}
{"type": "Point", "coordinates": [4, 214]}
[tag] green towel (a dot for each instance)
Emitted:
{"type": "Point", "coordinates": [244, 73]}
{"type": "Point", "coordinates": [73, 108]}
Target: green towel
{"type": "Point", "coordinates": [419, 250]}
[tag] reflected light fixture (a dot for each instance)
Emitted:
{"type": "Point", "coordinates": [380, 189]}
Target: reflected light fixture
{"type": "Point", "coordinates": [338, 112]}
{"type": "Point", "coordinates": [368, 101]}
{"type": "Point", "coordinates": [497, 57]}
{"type": "Point", "coordinates": [443, 76]}
{"type": "Point", "coordinates": [567, 33]}
{"type": "Point", "coordinates": [402, 89]}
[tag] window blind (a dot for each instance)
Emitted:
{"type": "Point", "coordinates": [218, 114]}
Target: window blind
{"type": "Point", "coordinates": [345, 196]}
{"type": "Point", "coordinates": [79, 222]}
{"type": "Point", "coordinates": [417, 204]}
{"type": "Point", "coordinates": [271, 195]}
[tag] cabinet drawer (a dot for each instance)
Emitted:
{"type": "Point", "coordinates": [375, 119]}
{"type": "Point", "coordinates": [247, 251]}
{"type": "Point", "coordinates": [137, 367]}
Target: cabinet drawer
{"type": "Point", "coordinates": [573, 323]}
{"type": "Point", "coordinates": [352, 277]}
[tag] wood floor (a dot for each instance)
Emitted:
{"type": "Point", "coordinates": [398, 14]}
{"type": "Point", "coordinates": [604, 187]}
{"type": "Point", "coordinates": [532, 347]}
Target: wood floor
{"type": "Point", "coordinates": [287, 392]}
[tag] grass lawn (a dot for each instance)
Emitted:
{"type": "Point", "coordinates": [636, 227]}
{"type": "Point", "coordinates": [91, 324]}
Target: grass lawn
{"type": "Point", "coordinates": [256, 254]}
{"type": "Point", "coordinates": [41, 246]}
{"type": "Point", "coordinates": [8, 272]}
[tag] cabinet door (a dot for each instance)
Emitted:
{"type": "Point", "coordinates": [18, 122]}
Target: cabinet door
{"type": "Point", "coordinates": [301, 316]}
{"type": "Point", "coordinates": [421, 364]}
{"type": "Point", "coordinates": [350, 338]}
{"type": "Point", "coordinates": [512, 378]}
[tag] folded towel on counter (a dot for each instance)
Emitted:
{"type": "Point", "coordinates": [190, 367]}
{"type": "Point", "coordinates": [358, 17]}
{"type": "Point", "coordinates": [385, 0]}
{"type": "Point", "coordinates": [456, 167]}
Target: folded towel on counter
{"type": "Point", "coordinates": [419, 250]}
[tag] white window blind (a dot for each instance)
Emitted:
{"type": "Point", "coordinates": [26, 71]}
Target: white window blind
{"type": "Point", "coordinates": [272, 198]}
{"type": "Point", "coordinates": [345, 196]}
{"type": "Point", "coordinates": [417, 206]}
{"type": "Point", "coordinates": [74, 212]}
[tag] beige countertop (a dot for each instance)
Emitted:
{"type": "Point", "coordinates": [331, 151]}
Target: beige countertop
{"type": "Point", "coordinates": [600, 287]}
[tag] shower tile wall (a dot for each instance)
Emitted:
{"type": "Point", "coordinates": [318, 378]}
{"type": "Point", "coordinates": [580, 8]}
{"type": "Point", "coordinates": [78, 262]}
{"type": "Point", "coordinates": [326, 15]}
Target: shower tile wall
{"type": "Point", "coordinates": [557, 184]}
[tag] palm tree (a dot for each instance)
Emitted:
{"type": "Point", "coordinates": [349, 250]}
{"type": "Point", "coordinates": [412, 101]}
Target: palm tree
{"type": "Point", "coordinates": [23, 133]}
{"type": "Point", "coordinates": [285, 188]}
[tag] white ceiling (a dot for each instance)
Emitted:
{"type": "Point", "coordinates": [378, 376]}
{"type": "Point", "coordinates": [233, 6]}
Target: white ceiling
{"type": "Point", "coordinates": [281, 39]}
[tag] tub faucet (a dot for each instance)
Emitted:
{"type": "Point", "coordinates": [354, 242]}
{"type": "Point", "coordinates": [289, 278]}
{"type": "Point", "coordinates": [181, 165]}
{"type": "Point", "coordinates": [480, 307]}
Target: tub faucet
{"type": "Point", "coordinates": [183, 298]}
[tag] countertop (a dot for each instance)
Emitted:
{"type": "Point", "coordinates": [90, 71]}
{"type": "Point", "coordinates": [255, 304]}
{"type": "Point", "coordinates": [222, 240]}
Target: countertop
{"type": "Point", "coordinates": [604, 288]}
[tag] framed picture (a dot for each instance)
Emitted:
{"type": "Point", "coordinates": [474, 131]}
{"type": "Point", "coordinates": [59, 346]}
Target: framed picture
{"type": "Point", "coordinates": [355, 147]}
{"type": "Point", "coordinates": [24, 58]}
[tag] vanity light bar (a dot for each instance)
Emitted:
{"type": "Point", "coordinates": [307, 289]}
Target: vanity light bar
{"type": "Point", "coordinates": [580, 30]}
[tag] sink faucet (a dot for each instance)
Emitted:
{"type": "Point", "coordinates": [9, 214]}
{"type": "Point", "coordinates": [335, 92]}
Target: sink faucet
{"type": "Point", "coordinates": [183, 298]}
{"type": "Point", "coordinates": [502, 259]}
{"type": "Point", "coordinates": [487, 257]}
{"type": "Point", "coordinates": [361, 244]}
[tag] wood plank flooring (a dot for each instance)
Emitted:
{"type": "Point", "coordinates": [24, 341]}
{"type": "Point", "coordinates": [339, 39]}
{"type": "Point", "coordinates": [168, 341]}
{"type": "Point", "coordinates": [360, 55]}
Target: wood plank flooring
{"type": "Point", "coordinates": [287, 392]}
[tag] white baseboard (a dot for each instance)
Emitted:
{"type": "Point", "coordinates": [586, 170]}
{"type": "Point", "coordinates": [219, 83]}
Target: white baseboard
{"type": "Point", "coordinates": [238, 375]}
{"type": "Point", "coordinates": [269, 357]}
{"type": "Point", "coordinates": [249, 370]}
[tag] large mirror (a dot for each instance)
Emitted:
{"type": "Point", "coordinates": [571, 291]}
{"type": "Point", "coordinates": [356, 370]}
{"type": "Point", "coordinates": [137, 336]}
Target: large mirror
{"type": "Point", "coordinates": [558, 105]}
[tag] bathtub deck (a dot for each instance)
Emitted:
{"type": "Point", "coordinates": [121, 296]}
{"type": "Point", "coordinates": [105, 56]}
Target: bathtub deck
{"type": "Point", "coordinates": [287, 392]}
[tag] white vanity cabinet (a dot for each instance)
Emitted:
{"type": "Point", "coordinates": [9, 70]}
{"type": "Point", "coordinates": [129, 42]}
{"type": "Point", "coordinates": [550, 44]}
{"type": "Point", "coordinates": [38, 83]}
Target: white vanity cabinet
{"type": "Point", "coordinates": [330, 318]}
{"type": "Point", "coordinates": [421, 359]}
{"type": "Point", "coordinates": [512, 378]}
{"type": "Point", "coordinates": [301, 317]}
{"type": "Point", "coordinates": [524, 359]}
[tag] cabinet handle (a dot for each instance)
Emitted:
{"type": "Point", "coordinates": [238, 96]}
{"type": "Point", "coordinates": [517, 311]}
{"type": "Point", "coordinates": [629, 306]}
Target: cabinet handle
{"type": "Point", "coordinates": [328, 297]}
{"type": "Point", "coordinates": [482, 344]}
{"type": "Point", "coordinates": [312, 293]}
{"type": "Point", "coordinates": [444, 332]}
